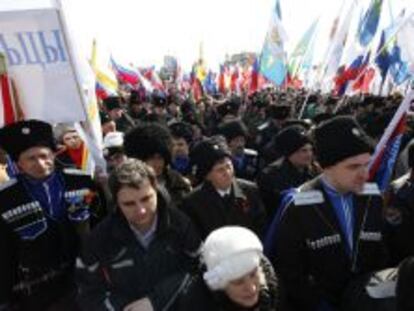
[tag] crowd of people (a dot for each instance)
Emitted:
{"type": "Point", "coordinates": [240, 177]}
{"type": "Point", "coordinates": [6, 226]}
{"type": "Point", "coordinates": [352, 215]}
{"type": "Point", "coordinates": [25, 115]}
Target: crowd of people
{"type": "Point", "coordinates": [234, 202]}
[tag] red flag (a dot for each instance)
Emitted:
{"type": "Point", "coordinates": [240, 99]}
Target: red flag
{"type": "Point", "coordinates": [222, 86]}
{"type": "Point", "coordinates": [234, 80]}
{"type": "Point", "coordinates": [197, 89]}
{"type": "Point", "coordinates": [6, 99]}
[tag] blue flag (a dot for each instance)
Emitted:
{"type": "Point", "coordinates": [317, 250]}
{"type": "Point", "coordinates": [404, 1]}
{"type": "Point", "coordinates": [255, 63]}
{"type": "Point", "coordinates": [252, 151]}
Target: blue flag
{"type": "Point", "coordinates": [399, 69]}
{"type": "Point", "coordinates": [383, 59]}
{"type": "Point", "coordinates": [369, 23]}
{"type": "Point", "coordinates": [273, 58]}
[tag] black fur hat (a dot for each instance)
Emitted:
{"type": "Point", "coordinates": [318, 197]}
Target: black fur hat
{"type": "Point", "coordinates": [21, 136]}
{"type": "Point", "coordinates": [232, 129]}
{"type": "Point", "coordinates": [340, 138]}
{"type": "Point", "coordinates": [112, 102]}
{"type": "Point", "coordinates": [207, 153]}
{"type": "Point", "coordinates": [182, 130]}
{"type": "Point", "coordinates": [145, 141]}
{"type": "Point", "coordinates": [291, 139]}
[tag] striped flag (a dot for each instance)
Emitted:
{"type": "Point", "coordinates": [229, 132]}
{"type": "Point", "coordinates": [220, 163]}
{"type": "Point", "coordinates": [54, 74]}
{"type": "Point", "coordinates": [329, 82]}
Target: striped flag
{"type": "Point", "coordinates": [386, 151]}
{"type": "Point", "coordinates": [124, 74]}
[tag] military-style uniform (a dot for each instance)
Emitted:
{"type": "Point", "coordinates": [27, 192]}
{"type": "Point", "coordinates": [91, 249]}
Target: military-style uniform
{"type": "Point", "coordinates": [278, 176]}
{"type": "Point", "coordinates": [39, 244]}
{"type": "Point", "coordinates": [311, 249]}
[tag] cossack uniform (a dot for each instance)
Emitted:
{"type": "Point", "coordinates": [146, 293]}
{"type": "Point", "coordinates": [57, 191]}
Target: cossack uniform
{"type": "Point", "coordinates": [310, 229]}
{"type": "Point", "coordinates": [40, 246]}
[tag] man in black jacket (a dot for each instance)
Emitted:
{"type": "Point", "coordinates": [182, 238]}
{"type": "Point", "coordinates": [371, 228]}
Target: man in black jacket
{"type": "Point", "coordinates": [221, 199]}
{"type": "Point", "coordinates": [140, 257]}
{"type": "Point", "coordinates": [400, 213]}
{"type": "Point", "coordinates": [43, 214]}
{"type": "Point", "coordinates": [330, 231]}
{"type": "Point", "coordinates": [245, 161]}
{"type": "Point", "coordinates": [292, 170]}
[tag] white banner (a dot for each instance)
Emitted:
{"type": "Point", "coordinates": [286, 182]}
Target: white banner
{"type": "Point", "coordinates": [36, 48]}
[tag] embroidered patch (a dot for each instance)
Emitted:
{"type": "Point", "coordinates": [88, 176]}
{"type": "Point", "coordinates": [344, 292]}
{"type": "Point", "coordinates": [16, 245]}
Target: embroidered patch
{"type": "Point", "coordinates": [370, 236]}
{"type": "Point", "coordinates": [21, 211]}
{"type": "Point", "coordinates": [78, 201]}
{"type": "Point", "coordinates": [308, 197]}
{"type": "Point", "coordinates": [72, 171]}
{"type": "Point", "coordinates": [8, 183]}
{"type": "Point", "coordinates": [123, 264]}
{"type": "Point", "coordinates": [263, 126]}
{"type": "Point", "coordinates": [251, 152]}
{"type": "Point", "coordinates": [77, 193]}
{"type": "Point", "coordinates": [32, 230]}
{"type": "Point", "coordinates": [323, 242]}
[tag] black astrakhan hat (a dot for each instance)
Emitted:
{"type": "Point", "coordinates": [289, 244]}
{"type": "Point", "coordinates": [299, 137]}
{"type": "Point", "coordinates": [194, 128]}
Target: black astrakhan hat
{"type": "Point", "coordinates": [340, 138]}
{"type": "Point", "coordinates": [233, 129]}
{"type": "Point", "coordinates": [112, 102]}
{"type": "Point", "coordinates": [291, 139]}
{"type": "Point", "coordinates": [145, 141]}
{"type": "Point", "coordinates": [21, 136]}
{"type": "Point", "coordinates": [207, 153]}
{"type": "Point", "coordinates": [182, 130]}
{"type": "Point", "coordinates": [230, 107]}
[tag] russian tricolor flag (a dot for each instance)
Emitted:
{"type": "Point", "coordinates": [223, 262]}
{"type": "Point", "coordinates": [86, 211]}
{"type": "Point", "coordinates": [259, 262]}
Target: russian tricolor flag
{"type": "Point", "coordinates": [124, 74]}
{"type": "Point", "coordinates": [386, 151]}
{"type": "Point", "coordinates": [102, 92]}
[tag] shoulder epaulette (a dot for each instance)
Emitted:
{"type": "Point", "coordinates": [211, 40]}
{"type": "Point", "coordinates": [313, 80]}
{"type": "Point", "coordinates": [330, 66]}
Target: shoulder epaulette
{"type": "Point", "coordinates": [308, 197]}
{"type": "Point", "coordinates": [398, 183]}
{"type": "Point", "coordinates": [74, 171]}
{"type": "Point", "coordinates": [8, 183]}
{"type": "Point", "coordinates": [370, 189]}
{"type": "Point", "coordinates": [251, 152]}
{"type": "Point", "coordinates": [261, 127]}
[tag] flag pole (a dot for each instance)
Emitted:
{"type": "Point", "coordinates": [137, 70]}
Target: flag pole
{"type": "Point", "coordinates": [370, 62]}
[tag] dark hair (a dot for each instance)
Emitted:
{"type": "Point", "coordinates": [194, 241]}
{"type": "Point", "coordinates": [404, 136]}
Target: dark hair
{"type": "Point", "coordinates": [131, 173]}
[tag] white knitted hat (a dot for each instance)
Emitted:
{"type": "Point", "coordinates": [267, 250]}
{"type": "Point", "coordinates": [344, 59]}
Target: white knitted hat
{"type": "Point", "coordinates": [229, 253]}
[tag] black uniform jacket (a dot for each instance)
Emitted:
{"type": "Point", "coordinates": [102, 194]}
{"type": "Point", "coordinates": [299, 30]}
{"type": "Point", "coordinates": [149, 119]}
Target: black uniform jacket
{"type": "Point", "coordinates": [278, 176]}
{"type": "Point", "coordinates": [311, 255]}
{"type": "Point", "coordinates": [37, 252]}
{"type": "Point", "coordinates": [209, 211]}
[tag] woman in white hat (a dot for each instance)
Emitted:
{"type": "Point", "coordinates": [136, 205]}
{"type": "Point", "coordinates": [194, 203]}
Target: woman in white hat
{"type": "Point", "coordinates": [235, 275]}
